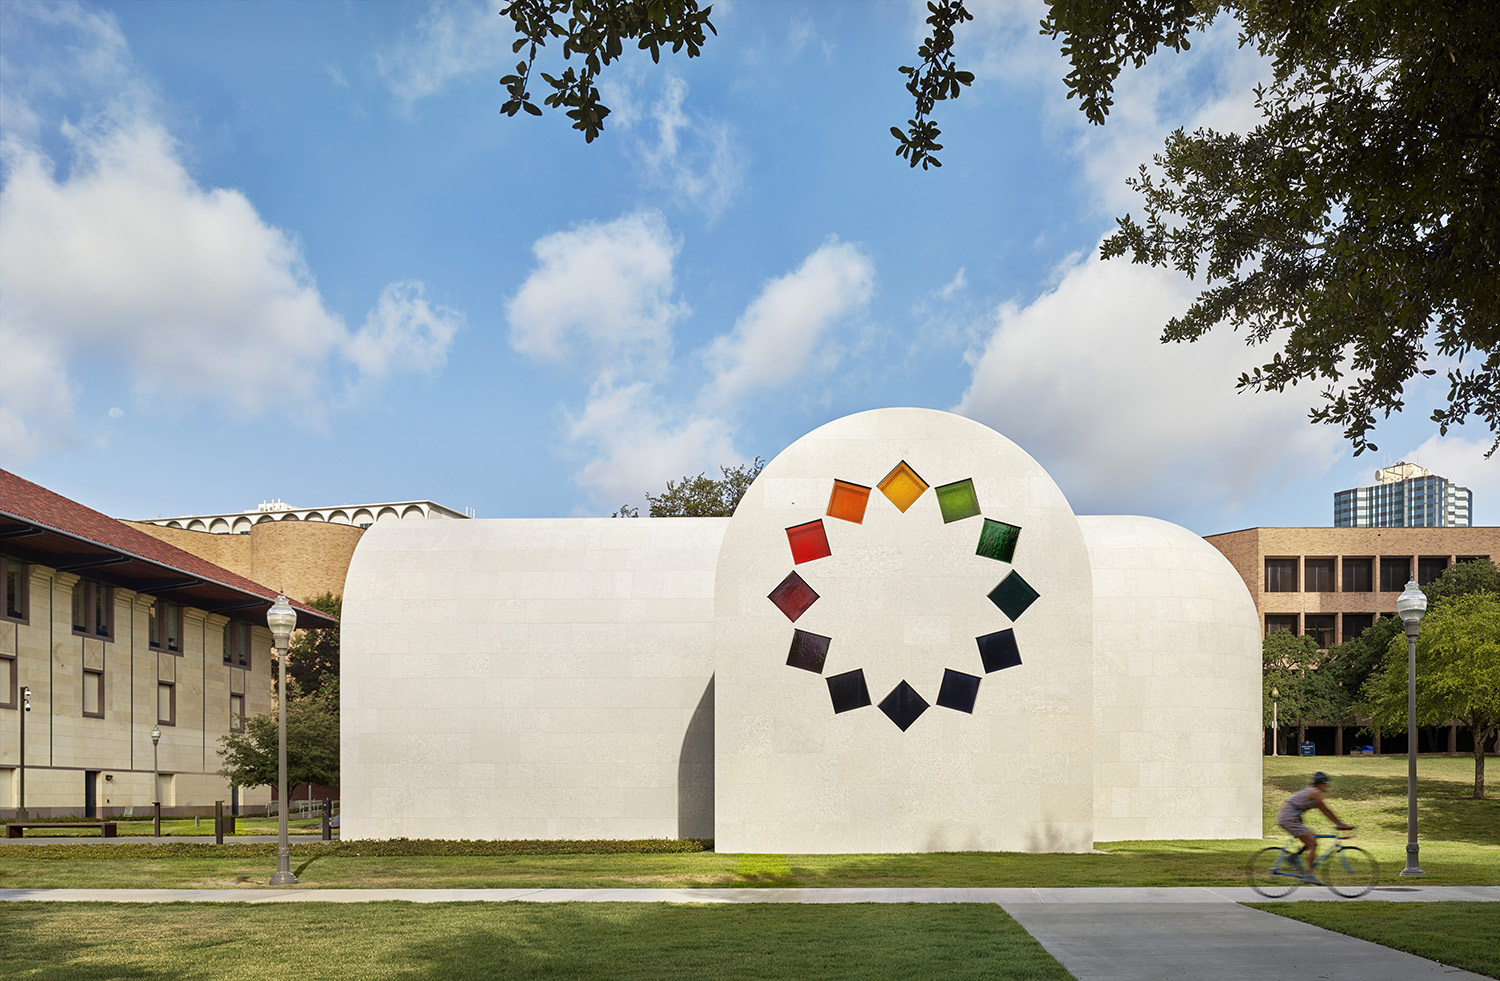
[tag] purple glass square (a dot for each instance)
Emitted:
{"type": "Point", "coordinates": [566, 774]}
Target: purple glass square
{"type": "Point", "coordinates": [793, 596]}
{"type": "Point", "coordinates": [809, 651]}
{"type": "Point", "coordinates": [848, 690]}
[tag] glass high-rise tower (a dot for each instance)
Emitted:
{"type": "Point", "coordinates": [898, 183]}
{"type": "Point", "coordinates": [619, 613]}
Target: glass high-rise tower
{"type": "Point", "coordinates": [1407, 496]}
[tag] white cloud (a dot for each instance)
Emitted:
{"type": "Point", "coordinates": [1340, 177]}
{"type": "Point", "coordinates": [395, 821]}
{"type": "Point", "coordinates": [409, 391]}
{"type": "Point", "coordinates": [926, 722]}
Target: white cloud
{"type": "Point", "coordinates": [602, 289]}
{"type": "Point", "coordinates": [781, 329]}
{"type": "Point", "coordinates": [1462, 461]}
{"type": "Point", "coordinates": [124, 258]}
{"type": "Point", "coordinates": [1128, 424]}
{"type": "Point", "coordinates": [452, 40]}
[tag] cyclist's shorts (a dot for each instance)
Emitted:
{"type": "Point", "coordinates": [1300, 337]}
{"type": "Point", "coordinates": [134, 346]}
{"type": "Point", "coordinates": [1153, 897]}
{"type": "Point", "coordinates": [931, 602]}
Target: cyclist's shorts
{"type": "Point", "coordinates": [1295, 827]}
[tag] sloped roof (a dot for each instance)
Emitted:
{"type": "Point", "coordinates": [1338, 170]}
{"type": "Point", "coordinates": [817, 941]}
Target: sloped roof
{"type": "Point", "coordinates": [46, 528]}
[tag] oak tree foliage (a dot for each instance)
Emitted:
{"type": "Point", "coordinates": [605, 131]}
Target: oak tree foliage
{"type": "Point", "coordinates": [701, 496]}
{"type": "Point", "coordinates": [1308, 693]}
{"type": "Point", "coordinates": [313, 657]}
{"type": "Point", "coordinates": [249, 756]}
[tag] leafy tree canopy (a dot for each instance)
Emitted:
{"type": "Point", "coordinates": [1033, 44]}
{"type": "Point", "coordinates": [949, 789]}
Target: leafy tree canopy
{"type": "Point", "coordinates": [701, 496]}
{"type": "Point", "coordinates": [313, 658]}
{"type": "Point", "coordinates": [312, 743]}
{"type": "Point", "coordinates": [1458, 673]}
{"type": "Point", "coordinates": [1462, 578]}
{"type": "Point", "coordinates": [1307, 695]}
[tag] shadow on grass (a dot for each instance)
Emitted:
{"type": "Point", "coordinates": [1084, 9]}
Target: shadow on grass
{"type": "Point", "coordinates": [35, 947]}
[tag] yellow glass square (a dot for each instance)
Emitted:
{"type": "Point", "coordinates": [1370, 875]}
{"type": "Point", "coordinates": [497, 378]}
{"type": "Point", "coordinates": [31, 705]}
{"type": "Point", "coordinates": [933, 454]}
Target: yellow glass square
{"type": "Point", "coordinates": [848, 501]}
{"type": "Point", "coordinates": [903, 486]}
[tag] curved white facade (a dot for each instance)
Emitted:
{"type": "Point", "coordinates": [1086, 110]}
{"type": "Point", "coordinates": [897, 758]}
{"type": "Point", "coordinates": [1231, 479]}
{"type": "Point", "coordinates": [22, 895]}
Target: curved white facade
{"type": "Point", "coordinates": [904, 640]}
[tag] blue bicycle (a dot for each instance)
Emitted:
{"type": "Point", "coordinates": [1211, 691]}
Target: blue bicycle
{"type": "Point", "coordinates": [1348, 871]}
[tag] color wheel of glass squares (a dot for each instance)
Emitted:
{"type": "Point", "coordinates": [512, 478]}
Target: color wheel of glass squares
{"type": "Point", "coordinates": [903, 487]}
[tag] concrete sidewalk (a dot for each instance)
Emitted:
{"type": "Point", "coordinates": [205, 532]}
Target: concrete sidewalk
{"type": "Point", "coordinates": [1107, 934]}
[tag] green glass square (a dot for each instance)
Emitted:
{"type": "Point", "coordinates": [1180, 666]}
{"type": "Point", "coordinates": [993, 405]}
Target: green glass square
{"type": "Point", "coordinates": [1013, 596]}
{"type": "Point", "coordinates": [958, 500]}
{"type": "Point", "coordinates": [997, 540]}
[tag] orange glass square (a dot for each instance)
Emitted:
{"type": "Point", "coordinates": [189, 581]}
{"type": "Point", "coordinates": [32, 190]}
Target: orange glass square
{"type": "Point", "coordinates": [848, 501]}
{"type": "Point", "coordinates": [903, 486]}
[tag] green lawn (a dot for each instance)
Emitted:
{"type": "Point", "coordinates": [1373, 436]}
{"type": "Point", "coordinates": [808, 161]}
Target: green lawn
{"type": "Point", "coordinates": [1461, 935]}
{"type": "Point", "coordinates": [516, 941]}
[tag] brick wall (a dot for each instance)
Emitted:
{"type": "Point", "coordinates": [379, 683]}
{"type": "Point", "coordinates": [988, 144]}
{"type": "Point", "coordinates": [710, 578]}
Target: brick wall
{"type": "Point", "coordinates": [303, 559]}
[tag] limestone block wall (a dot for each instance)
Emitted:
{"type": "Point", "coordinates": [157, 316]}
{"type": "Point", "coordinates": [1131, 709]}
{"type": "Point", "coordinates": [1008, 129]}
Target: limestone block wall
{"type": "Point", "coordinates": [1177, 675]}
{"type": "Point", "coordinates": [890, 714]}
{"type": "Point", "coordinates": [530, 679]}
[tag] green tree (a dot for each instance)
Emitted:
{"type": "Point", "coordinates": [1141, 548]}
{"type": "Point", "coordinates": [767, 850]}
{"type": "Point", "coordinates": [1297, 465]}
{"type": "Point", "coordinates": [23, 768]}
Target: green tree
{"type": "Point", "coordinates": [312, 743]}
{"type": "Point", "coordinates": [313, 658]}
{"type": "Point", "coordinates": [701, 496]}
{"type": "Point", "coordinates": [1308, 694]}
{"type": "Point", "coordinates": [1462, 578]}
{"type": "Point", "coordinates": [1458, 673]}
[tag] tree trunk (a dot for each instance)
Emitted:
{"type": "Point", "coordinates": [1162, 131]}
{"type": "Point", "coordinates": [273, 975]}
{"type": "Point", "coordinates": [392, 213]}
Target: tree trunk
{"type": "Point", "coordinates": [1479, 738]}
{"type": "Point", "coordinates": [1453, 739]}
{"type": "Point", "coordinates": [1301, 737]}
{"type": "Point", "coordinates": [1377, 741]}
{"type": "Point", "coordinates": [1338, 740]}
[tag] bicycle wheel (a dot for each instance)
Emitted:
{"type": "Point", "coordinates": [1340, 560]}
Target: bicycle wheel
{"type": "Point", "coordinates": [1350, 872]}
{"type": "Point", "coordinates": [1270, 873]}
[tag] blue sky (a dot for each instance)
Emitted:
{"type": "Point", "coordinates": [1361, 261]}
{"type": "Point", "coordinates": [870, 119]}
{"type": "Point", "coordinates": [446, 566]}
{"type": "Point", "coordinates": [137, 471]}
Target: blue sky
{"type": "Point", "coordinates": [293, 250]}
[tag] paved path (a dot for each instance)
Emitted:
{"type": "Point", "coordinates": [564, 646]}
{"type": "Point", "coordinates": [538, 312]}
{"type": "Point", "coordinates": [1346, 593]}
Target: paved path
{"type": "Point", "coordinates": [1106, 934]}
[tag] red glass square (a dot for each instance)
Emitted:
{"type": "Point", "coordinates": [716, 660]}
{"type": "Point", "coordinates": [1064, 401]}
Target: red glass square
{"type": "Point", "coordinates": [808, 542]}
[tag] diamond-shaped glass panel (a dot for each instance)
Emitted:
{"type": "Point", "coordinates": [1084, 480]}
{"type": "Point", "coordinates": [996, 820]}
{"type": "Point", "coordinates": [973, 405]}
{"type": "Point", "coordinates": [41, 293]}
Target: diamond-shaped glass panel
{"type": "Point", "coordinates": [997, 540]}
{"type": "Point", "coordinates": [903, 486]}
{"type": "Point", "coordinates": [958, 500]}
{"type": "Point", "coordinates": [959, 691]}
{"type": "Point", "coordinates": [848, 501]}
{"type": "Point", "coordinates": [903, 705]}
{"type": "Point", "coordinates": [793, 596]}
{"type": "Point", "coordinates": [998, 650]}
{"type": "Point", "coordinates": [848, 690]}
{"type": "Point", "coordinates": [1013, 595]}
{"type": "Point", "coordinates": [808, 541]}
{"type": "Point", "coordinates": [809, 651]}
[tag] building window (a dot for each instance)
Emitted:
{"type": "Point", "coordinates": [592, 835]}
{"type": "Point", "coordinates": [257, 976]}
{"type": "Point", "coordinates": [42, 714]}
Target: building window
{"type": "Point", "coordinates": [93, 609]}
{"type": "Point", "coordinates": [9, 681]}
{"type": "Point", "coordinates": [1429, 569]}
{"type": "Point", "coordinates": [1319, 626]}
{"type": "Point", "coordinates": [166, 703]}
{"type": "Point", "coordinates": [237, 644]}
{"type": "Point", "coordinates": [1277, 622]}
{"type": "Point", "coordinates": [1319, 575]}
{"type": "Point", "coordinates": [93, 693]}
{"type": "Point", "coordinates": [1394, 574]}
{"type": "Point", "coordinates": [17, 578]}
{"type": "Point", "coordinates": [1356, 624]}
{"type": "Point", "coordinates": [1357, 576]}
{"type": "Point", "coordinates": [236, 713]}
{"type": "Point", "coordinates": [1281, 575]}
{"type": "Point", "coordinates": [165, 628]}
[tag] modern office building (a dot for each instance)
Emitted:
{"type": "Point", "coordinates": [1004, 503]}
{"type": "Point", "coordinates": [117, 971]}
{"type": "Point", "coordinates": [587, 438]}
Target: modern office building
{"type": "Point", "coordinates": [1404, 496]}
{"type": "Point", "coordinates": [115, 633]}
{"type": "Point", "coordinates": [1331, 583]}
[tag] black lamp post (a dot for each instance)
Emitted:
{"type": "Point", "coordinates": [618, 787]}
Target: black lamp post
{"type": "Point", "coordinates": [1410, 605]}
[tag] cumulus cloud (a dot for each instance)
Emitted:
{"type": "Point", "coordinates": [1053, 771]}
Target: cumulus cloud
{"type": "Point", "coordinates": [452, 40]}
{"type": "Point", "coordinates": [1126, 423]}
{"type": "Point", "coordinates": [122, 255]}
{"type": "Point", "coordinates": [1462, 461]}
{"type": "Point", "coordinates": [780, 331]}
{"type": "Point", "coordinates": [601, 290]}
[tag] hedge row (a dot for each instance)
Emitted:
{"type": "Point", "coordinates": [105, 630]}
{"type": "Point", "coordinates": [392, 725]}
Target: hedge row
{"type": "Point", "coordinates": [373, 849]}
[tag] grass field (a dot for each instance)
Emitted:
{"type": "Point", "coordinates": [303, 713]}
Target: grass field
{"type": "Point", "coordinates": [1462, 935]}
{"type": "Point", "coordinates": [183, 827]}
{"type": "Point", "coordinates": [516, 941]}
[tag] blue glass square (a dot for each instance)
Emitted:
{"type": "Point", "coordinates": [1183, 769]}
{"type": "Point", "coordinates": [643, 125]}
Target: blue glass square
{"type": "Point", "coordinates": [848, 690]}
{"type": "Point", "coordinates": [999, 650]}
{"type": "Point", "coordinates": [959, 691]}
{"type": "Point", "coordinates": [903, 706]}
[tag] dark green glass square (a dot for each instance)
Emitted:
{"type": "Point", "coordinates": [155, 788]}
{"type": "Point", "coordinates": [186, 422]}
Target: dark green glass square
{"type": "Point", "coordinates": [997, 540]}
{"type": "Point", "coordinates": [958, 500]}
{"type": "Point", "coordinates": [1013, 596]}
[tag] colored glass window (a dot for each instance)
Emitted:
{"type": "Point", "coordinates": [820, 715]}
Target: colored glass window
{"type": "Point", "coordinates": [809, 651]}
{"type": "Point", "coordinates": [793, 596]}
{"type": "Point", "coordinates": [997, 540]}
{"type": "Point", "coordinates": [848, 690]}
{"type": "Point", "coordinates": [1013, 595]}
{"type": "Point", "coordinates": [958, 500]}
{"type": "Point", "coordinates": [848, 501]}
{"type": "Point", "coordinates": [808, 541]}
{"type": "Point", "coordinates": [959, 691]}
{"type": "Point", "coordinates": [903, 706]}
{"type": "Point", "coordinates": [903, 486]}
{"type": "Point", "coordinates": [998, 651]}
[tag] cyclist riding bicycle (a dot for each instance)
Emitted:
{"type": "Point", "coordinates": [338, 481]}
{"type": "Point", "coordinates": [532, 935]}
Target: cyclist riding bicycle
{"type": "Point", "coordinates": [1290, 818]}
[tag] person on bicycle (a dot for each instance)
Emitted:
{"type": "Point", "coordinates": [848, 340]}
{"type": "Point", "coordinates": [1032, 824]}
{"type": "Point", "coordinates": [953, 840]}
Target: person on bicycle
{"type": "Point", "coordinates": [1290, 818]}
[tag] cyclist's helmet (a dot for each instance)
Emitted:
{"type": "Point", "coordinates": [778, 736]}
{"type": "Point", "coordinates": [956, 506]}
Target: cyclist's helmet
{"type": "Point", "coordinates": [1320, 777]}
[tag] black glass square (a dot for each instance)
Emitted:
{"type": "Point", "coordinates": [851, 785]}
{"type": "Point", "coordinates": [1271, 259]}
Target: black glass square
{"type": "Point", "coordinates": [809, 651]}
{"type": "Point", "coordinates": [959, 691]}
{"type": "Point", "coordinates": [1013, 596]}
{"type": "Point", "coordinates": [999, 650]}
{"type": "Point", "coordinates": [903, 705]}
{"type": "Point", "coordinates": [848, 690]}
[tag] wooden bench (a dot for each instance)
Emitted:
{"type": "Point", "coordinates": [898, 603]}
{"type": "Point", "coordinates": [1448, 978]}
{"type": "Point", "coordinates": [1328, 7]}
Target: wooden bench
{"type": "Point", "coordinates": [17, 829]}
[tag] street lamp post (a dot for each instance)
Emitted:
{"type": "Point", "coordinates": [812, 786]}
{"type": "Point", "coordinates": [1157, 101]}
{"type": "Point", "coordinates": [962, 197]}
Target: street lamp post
{"type": "Point", "coordinates": [155, 783]}
{"type": "Point", "coordinates": [282, 620]}
{"type": "Point", "coordinates": [26, 698]}
{"type": "Point", "coordinates": [1275, 734]}
{"type": "Point", "coordinates": [1410, 605]}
